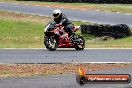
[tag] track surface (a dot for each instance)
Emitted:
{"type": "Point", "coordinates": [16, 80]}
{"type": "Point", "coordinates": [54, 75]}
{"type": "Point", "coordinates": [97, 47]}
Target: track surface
{"type": "Point", "coordinates": [61, 81]}
{"type": "Point", "coordinates": [73, 14]}
{"type": "Point", "coordinates": [64, 55]}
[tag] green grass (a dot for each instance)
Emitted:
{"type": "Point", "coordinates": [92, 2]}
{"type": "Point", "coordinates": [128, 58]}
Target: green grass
{"type": "Point", "coordinates": [22, 31]}
{"type": "Point", "coordinates": [78, 23]}
{"type": "Point", "coordinates": [17, 34]}
{"type": "Point", "coordinates": [26, 31]}
{"type": "Point", "coordinates": [118, 43]}
{"type": "Point", "coordinates": [126, 8]}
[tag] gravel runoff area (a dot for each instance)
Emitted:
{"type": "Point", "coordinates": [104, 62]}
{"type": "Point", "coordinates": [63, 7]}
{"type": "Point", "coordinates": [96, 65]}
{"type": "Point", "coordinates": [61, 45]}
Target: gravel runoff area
{"type": "Point", "coordinates": [13, 70]}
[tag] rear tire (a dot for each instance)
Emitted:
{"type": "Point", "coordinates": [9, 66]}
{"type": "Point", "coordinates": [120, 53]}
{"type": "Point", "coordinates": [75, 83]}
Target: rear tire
{"type": "Point", "coordinates": [50, 43]}
{"type": "Point", "coordinates": [81, 44]}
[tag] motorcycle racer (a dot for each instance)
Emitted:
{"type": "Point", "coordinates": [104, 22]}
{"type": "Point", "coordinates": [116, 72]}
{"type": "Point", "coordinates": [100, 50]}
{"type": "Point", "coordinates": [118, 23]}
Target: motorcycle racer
{"type": "Point", "coordinates": [60, 33]}
{"type": "Point", "coordinates": [61, 19]}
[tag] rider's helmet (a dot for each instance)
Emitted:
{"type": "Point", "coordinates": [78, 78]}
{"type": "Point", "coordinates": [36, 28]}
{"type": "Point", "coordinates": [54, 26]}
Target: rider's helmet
{"type": "Point", "coordinates": [57, 13]}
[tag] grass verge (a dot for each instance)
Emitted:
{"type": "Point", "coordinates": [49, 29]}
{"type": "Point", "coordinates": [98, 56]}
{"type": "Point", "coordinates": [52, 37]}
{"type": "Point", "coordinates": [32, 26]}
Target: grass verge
{"type": "Point", "coordinates": [125, 8]}
{"type": "Point", "coordinates": [26, 31]}
{"type": "Point", "coordinates": [118, 43]}
{"type": "Point", "coordinates": [22, 30]}
{"type": "Point", "coordinates": [13, 70]}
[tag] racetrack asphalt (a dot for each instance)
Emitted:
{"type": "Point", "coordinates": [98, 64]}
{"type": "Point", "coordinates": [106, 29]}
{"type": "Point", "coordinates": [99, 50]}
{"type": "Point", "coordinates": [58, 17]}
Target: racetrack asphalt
{"type": "Point", "coordinates": [64, 55]}
{"type": "Point", "coordinates": [62, 81]}
{"type": "Point", "coordinates": [72, 14]}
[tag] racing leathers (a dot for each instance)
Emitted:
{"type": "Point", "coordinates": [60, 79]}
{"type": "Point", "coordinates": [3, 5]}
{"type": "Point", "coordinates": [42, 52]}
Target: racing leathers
{"type": "Point", "coordinates": [68, 26]}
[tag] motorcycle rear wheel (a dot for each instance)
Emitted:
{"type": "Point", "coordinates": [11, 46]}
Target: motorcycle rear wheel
{"type": "Point", "coordinates": [50, 43]}
{"type": "Point", "coordinates": [81, 44]}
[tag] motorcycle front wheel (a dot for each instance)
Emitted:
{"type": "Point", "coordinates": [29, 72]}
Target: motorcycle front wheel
{"type": "Point", "coordinates": [50, 43]}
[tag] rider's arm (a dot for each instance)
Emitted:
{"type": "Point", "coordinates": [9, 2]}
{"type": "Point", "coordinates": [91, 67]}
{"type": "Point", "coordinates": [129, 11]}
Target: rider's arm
{"type": "Point", "coordinates": [64, 19]}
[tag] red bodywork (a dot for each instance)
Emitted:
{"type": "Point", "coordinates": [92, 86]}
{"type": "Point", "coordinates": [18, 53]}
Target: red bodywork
{"type": "Point", "coordinates": [64, 41]}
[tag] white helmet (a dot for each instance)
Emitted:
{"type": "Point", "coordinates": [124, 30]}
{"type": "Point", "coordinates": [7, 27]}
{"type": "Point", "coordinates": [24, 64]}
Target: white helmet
{"type": "Point", "coordinates": [56, 13]}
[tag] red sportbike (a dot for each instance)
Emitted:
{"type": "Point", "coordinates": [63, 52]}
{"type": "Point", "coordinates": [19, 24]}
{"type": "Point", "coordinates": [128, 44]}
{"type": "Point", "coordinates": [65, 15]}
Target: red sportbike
{"type": "Point", "coordinates": [55, 37]}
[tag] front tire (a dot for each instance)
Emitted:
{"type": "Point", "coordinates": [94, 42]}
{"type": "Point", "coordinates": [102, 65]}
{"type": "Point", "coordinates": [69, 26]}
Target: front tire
{"type": "Point", "coordinates": [50, 43]}
{"type": "Point", "coordinates": [81, 44]}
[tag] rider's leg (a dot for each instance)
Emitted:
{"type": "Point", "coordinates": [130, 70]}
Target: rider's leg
{"type": "Point", "coordinates": [69, 30]}
{"type": "Point", "coordinates": [72, 35]}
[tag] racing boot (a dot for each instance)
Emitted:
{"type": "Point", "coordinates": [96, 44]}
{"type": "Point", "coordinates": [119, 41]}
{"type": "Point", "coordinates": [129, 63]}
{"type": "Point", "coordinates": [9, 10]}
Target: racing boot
{"type": "Point", "coordinates": [74, 38]}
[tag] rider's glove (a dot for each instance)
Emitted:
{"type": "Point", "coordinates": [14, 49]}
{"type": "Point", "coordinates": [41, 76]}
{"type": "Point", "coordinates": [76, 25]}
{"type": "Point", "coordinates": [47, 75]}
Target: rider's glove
{"type": "Point", "coordinates": [58, 25]}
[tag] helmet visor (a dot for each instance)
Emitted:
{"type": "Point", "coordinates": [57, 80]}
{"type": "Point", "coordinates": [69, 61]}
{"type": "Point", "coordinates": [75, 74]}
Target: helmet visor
{"type": "Point", "coordinates": [56, 15]}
